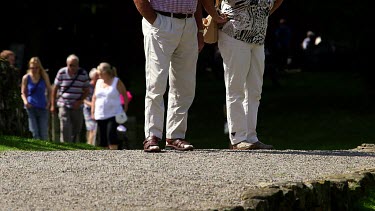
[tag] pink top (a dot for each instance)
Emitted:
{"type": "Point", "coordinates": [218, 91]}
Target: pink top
{"type": "Point", "coordinates": [130, 97]}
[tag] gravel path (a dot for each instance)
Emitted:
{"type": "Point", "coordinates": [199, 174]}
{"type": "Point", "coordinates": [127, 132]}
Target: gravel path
{"type": "Point", "coordinates": [135, 180]}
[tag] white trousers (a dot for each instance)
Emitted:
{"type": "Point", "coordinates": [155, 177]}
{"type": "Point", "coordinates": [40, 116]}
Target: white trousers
{"type": "Point", "coordinates": [243, 75]}
{"type": "Point", "coordinates": [171, 51]}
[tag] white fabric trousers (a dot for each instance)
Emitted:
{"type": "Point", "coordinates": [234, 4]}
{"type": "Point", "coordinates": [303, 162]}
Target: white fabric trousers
{"type": "Point", "coordinates": [243, 75]}
{"type": "Point", "coordinates": [171, 51]}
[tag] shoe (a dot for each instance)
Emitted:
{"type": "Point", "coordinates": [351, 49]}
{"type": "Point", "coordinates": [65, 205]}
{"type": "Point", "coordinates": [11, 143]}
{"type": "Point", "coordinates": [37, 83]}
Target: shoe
{"type": "Point", "coordinates": [248, 146]}
{"type": "Point", "coordinates": [241, 146]}
{"type": "Point", "coordinates": [178, 144]}
{"type": "Point", "coordinates": [151, 144]}
{"type": "Point", "coordinates": [260, 145]}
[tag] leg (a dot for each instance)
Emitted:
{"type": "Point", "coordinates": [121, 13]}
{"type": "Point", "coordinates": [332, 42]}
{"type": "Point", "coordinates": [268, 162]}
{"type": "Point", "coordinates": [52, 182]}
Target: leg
{"type": "Point", "coordinates": [254, 82]}
{"type": "Point", "coordinates": [182, 75]}
{"type": "Point", "coordinates": [112, 133]}
{"type": "Point", "coordinates": [33, 125]}
{"type": "Point", "coordinates": [102, 125]}
{"type": "Point", "coordinates": [95, 134]}
{"type": "Point", "coordinates": [76, 116]}
{"type": "Point", "coordinates": [65, 125]}
{"type": "Point", "coordinates": [88, 137]}
{"type": "Point", "coordinates": [159, 44]}
{"type": "Point", "coordinates": [43, 123]}
{"type": "Point", "coordinates": [236, 59]}
{"type": "Point", "coordinates": [91, 126]}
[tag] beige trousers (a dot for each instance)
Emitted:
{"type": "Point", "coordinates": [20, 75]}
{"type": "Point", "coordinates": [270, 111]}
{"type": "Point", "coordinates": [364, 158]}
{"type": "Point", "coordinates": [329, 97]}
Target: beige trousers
{"type": "Point", "coordinates": [171, 52]}
{"type": "Point", "coordinates": [243, 75]}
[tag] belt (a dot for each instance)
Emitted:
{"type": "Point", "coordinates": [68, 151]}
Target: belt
{"type": "Point", "coordinates": [175, 15]}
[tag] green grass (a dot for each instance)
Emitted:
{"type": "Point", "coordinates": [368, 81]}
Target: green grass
{"type": "Point", "coordinates": [317, 111]}
{"type": "Point", "coordinates": [8, 143]}
{"type": "Point", "coordinates": [311, 110]}
{"type": "Point", "coordinates": [367, 203]}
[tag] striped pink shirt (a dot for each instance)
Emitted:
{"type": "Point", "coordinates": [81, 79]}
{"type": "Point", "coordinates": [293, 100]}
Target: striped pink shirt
{"type": "Point", "coordinates": [175, 6]}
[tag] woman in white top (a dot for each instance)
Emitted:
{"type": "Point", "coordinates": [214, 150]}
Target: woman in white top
{"type": "Point", "coordinates": [106, 104]}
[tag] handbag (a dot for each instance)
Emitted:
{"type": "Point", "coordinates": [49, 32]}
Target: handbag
{"type": "Point", "coordinates": [121, 118]}
{"type": "Point", "coordinates": [210, 33]}
{"type": "Point", "coordinates": [210, 30]}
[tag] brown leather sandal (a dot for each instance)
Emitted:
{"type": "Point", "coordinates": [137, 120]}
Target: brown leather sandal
{"type": "Point", "coordinates": [151, 144]}
{"type": "Point", "coordinates": [178, 144]}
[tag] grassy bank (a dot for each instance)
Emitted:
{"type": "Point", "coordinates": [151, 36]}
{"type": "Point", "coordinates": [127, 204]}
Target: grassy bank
{"type": "Point", "coordinates": [17, 143]}
{"type": "Point", "coordinates": [311, 110]}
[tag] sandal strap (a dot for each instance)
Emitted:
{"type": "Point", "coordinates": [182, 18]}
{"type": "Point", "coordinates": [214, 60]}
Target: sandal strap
{"type": "Point", "coordinates": [150, 141]}
{"type": "Point", "coordinates": [179, 143]}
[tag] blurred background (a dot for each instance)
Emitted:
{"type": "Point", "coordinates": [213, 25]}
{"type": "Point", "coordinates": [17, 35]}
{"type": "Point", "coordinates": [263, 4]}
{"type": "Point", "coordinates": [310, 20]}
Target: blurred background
{"type": "Point", "coordinates": [111, 30]}
{"type": "Point", "coordinates": [327, 95]}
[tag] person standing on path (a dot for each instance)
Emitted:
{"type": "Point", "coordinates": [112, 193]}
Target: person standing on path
{"type": "Point", "coordinates": [241, 43]}
{"type": "Point", "coordinates": [173, 37]}
{"type": "Point", "coordinates": [72, 85]}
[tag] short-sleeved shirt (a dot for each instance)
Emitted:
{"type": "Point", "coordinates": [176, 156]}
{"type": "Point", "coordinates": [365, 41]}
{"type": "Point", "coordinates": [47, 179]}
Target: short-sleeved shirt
{"type": "Point", "coordinates": [248, 19]}
{"type": "Point", "coordinates": [175, 6]}
{"type": "Point", "coordinates": [75, 91]}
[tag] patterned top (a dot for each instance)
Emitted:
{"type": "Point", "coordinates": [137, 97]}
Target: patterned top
{"type": "Point", "coordinates": [72, 94]}
{"type": "Point", "coordinates": [248, 19]}
{"type": "Point", "coordinates": [175, 6]}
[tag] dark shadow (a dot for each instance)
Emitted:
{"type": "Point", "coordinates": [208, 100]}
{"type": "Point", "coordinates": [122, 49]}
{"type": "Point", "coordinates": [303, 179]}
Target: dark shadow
{"type": "Point", "coordinates": [296, 152]}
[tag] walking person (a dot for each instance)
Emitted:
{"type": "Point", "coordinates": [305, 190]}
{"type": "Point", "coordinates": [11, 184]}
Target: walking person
{"type": "Point", "coordinates": [106, 104]}
{"type": "Point", "coordinates": [173, 37]}
{"type": "Point", "coordinates": [72, 86]}
{"type": "Point", "coordinates": [241, 43]}
{"type": "Point", "coordinates": [35, 94]}
{"type": "Point", "coordinates": [91, 125]}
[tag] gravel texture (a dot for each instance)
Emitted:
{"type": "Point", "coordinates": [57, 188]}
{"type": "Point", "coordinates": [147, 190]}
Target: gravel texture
{"type": "Point", "coordinates": [135, 180]}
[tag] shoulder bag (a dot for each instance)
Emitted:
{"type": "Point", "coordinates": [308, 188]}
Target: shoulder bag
{"type": "Point", "coordinates": [71, 83]}
{"type": "Point", "coordinates": [210, 33]}
{"type": "Point", "coordinates": [35, 87]}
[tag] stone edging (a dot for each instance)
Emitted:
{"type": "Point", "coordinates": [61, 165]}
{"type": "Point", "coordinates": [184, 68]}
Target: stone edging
{"type": "Point", "coordinates": [336, 192]}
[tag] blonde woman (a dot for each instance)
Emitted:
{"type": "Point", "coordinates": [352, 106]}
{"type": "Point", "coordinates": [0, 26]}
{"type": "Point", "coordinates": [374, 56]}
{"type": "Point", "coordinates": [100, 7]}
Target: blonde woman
{"type": "Point", "coordinates": [35, 93]}
{"type": "Point", "coordinates": [106, 104]}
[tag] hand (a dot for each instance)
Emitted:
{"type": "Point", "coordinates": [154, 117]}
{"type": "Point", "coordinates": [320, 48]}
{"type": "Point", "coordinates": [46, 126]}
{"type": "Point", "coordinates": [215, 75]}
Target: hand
{"type": "Point", "coordinates": [151, 21]}
{"type": "Point", "coordinates": [52, 108]}
{"type": "Point", "coordinates": [77, 104]}
{"type": "Point", "coordinates": [205, 21]}
{"type": "Point", "coordinates": [223, 18]}
{"type": "Point", "coordinates": [28, 105]}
